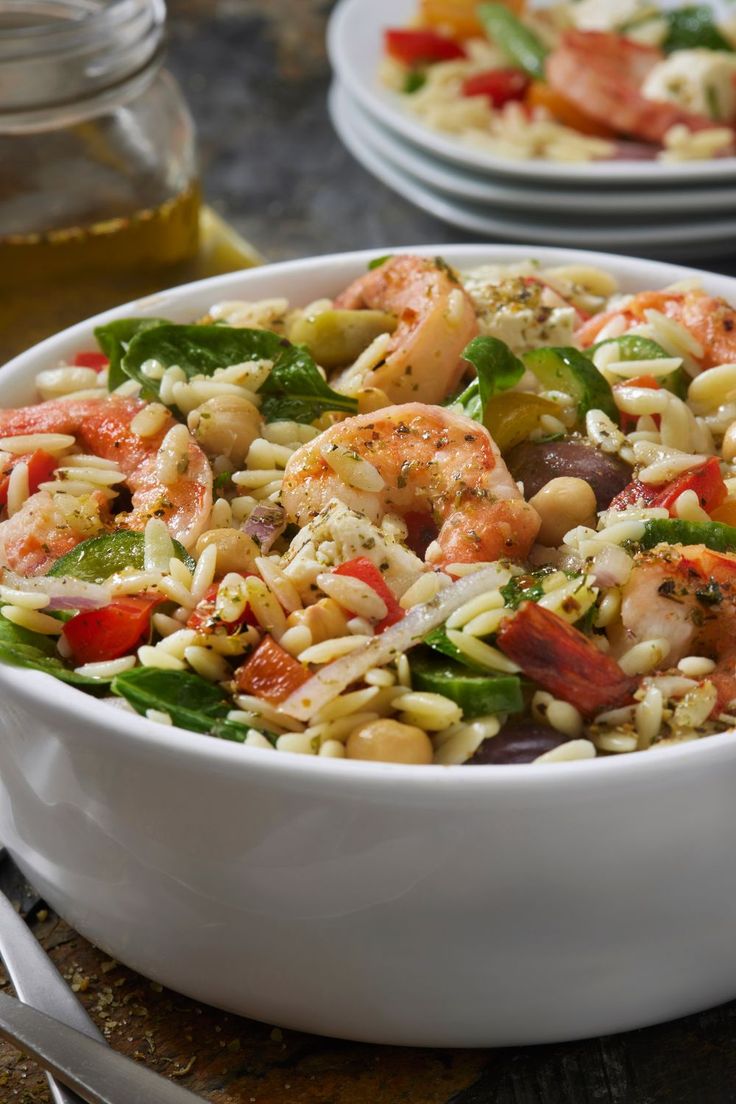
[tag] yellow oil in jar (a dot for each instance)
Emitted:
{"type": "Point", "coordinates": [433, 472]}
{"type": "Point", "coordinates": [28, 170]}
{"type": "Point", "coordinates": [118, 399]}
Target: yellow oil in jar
{"type": "Point", "coordinates": [52, 279]}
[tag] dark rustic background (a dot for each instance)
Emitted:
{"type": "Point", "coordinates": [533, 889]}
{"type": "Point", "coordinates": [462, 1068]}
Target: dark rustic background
{"type": "Point", "coordinates": [255, 74]}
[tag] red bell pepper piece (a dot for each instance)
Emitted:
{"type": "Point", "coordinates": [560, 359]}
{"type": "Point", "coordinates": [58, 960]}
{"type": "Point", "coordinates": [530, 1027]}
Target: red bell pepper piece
{"type": "Point", "coordinates": [270, 673]}
{"type": "Point", "coordinates": [110, 632]}
{"type": "Point", "coordinates": [563, 661]}
{"type": "Point", "coordinates": [419, 47]}
{"type": "Point", "coordinates": [41, 466]}
{"type": "Point", "coordinates": [366, 571]}
{"type": "Point", "coordinates": [91, 359]}
{"type": "Point", "coordinates": [500, 86]}
{"type": "Point", "coordinates": [706, 481]}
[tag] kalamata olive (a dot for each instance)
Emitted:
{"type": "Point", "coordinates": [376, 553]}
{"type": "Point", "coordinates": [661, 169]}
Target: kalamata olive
{"type": "Point", "coordinates": [535, 463]}
{"type": "Point", "coordinates": [517, 742]}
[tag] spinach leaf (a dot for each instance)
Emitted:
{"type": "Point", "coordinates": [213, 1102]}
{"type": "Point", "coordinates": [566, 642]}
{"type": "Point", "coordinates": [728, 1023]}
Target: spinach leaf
{"type": "Point", "coordinates": [497, 370]}
{"type": "Point", "coordinates": [294, 390]}
{"type": "Point", "coordinates": [114, 338]}
{"type": "Point", "coordinates": [693, 27]}
{"type": "Point", "coordinates": [23, 648]}
{"type": "Point", "coordinates": [98, 558]}
{"type": "Point", "coordinates": [190, 700]}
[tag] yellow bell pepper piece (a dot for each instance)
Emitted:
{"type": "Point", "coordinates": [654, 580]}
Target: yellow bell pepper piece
{"type": "Point", "coordinates": [513, 415]}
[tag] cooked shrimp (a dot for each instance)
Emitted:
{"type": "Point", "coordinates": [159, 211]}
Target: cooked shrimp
{"type": "Point", "coordinates": [38, 532]}
{"type": "Point", "coordinates": [436, 321]}
{"type": "Point", "coordinates": [602, 74]}
{"type": "Point", "coordinates": [710, 319]}
{"type": "Point", "coordinates": [686, 595]}
{"type": "Point", "coordinates": [417, 459]}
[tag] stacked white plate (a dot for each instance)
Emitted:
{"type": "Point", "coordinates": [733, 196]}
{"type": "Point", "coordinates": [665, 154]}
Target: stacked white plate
{"type": "Point", "coordinates": [674, 209]}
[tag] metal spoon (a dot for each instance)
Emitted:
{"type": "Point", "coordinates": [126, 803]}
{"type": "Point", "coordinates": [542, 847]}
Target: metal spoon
{"type": "Point", "coordinates": [68, 1045]}
{"type": "Point", "coordinates": [98, 1074]}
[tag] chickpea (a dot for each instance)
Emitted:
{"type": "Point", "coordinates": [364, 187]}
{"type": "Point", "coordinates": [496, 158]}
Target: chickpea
{"type": "Point", "coordinates": [729, 443]}
{"type": "Point", "coordinates": [386, 741]}
{"type": "Point", "coordinates": [562, 504]}
{"type": "Point", "coordinates": [371, 399]}
{"type": "Point", "coordinates": [236, 551]}
{"type": "Point", "coordinates": [226, 425]}
{"type": "Point", "coordinates": [325, 620]}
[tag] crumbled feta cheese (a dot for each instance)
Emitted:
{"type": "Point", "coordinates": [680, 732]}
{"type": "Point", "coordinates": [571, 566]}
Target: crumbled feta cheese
{"type": "Point", "coordinates": [701, 81]}
{"type": "Point", "coordinates": [338, 534]}
{"type": "Point", "coordinates": [522, 311]}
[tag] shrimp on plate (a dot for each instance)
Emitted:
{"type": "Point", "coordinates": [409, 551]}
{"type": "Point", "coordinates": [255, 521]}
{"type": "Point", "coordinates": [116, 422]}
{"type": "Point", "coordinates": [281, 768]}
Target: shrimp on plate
{"type": "Point", "coordinates": [423, 361]}
{"type": "Point", "coordinates": [686, 594]}
{"type": "Point", "coordinates": [710, 320]}
{"type": "Point", "coordinates": [411, 459]}
{"type": "Point", "coordinates": [602, 74]}
{"type": "Point", "coordinates": [41, 530]}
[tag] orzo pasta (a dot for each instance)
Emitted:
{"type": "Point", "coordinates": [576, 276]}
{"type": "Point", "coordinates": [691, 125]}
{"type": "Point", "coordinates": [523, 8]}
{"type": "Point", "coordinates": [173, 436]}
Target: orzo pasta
{"type": "Point", "coordinates": [522, 549]}
{"type": "Point", "coordinates": [571, 81]}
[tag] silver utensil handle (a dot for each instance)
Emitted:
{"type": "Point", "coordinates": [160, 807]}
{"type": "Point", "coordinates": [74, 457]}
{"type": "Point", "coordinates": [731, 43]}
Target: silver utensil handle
{"type": "Point", "coordinates": [38, 983]}
{"type": "Point", "coordinates": [98, 1074]}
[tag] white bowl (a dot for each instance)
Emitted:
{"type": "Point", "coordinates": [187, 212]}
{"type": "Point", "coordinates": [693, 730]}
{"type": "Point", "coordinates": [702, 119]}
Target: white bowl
{"type": "Point", "coordinates": [355, 44]}
{"type": "Point", "coordinates": [460, 906]}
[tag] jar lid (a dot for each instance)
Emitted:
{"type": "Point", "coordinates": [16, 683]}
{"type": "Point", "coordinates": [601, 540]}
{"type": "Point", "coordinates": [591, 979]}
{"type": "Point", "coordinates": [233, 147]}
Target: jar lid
{"type": "Point", "coordinates": [74, 56]}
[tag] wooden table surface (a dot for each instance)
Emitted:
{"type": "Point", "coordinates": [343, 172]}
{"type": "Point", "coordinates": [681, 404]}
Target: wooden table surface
{"type": "Point", "coordinates": [255, 74]}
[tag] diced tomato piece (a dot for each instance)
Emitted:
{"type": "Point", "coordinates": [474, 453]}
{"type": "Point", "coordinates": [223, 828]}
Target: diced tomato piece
{"type": "Point", "coordinates": [418, 47]}
{"type": "Point", "coordinates": [91, 359]}
{"type": "Point", "coordinates": [628, 421]}
{"type": "Point", "coordinates": [202, 618]}
{"type": "Point", "coordinates": [635, 493]}
{"type": "Point", "coordinates": [110, 632]}
{"type": "Point", "coordinates": [41, 466]}
{"type": "Point", "coordinates": [563, 661]}
{"type": "Point", "coordinates": [500, 86]}
{"type": "Point", "coordinates": [270, 673]}
{"type": "Point", "coordinates": [706, 481]}
{"type": "Point", "coordinates": [366, 571]}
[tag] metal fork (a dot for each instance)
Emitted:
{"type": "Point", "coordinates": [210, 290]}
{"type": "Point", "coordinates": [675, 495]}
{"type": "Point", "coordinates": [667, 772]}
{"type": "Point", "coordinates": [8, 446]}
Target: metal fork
{"type": "Point", "coordinates": [64, 1041]}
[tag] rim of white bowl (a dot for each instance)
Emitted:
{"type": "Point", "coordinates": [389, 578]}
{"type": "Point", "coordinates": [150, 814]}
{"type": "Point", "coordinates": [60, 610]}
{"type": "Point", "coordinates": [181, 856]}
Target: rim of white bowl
{"type": "Point", "coordinates": [354, 47]}
{"type": "Point", "coordinates": [33, 687]}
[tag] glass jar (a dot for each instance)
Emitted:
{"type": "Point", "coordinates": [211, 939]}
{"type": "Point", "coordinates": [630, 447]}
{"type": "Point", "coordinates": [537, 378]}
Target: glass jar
{"type": "Point", "coordinates": [99, 201]}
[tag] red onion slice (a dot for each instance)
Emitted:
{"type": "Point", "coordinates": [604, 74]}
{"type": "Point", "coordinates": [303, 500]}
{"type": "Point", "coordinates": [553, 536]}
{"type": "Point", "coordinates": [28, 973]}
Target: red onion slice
{"type": "Point", "coordinates": [265, 524]}
{"type": "Point", "coordinates": [65, 592]}
{"type": "Point", "coordinates": [326, 684]}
